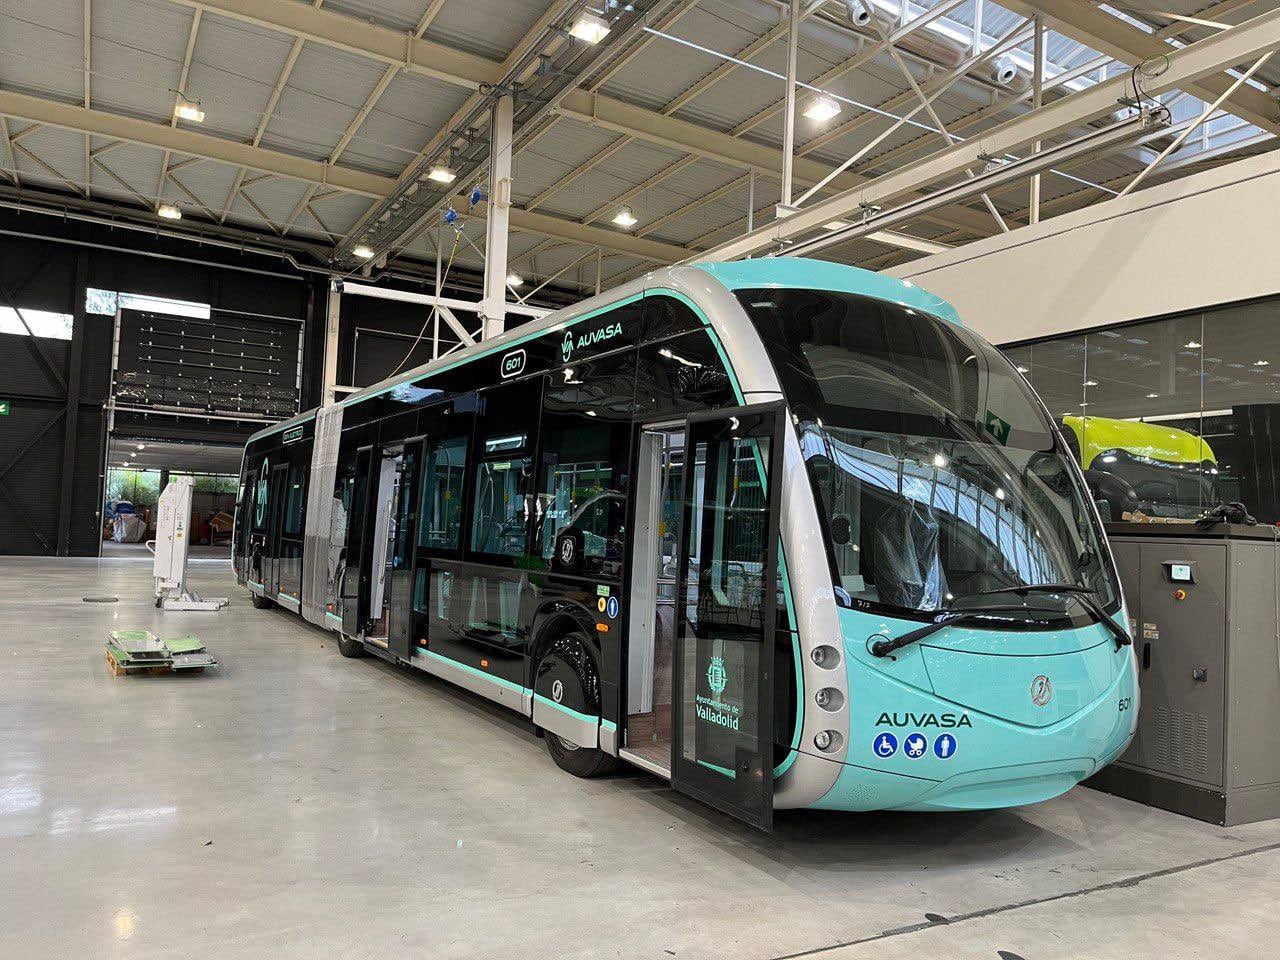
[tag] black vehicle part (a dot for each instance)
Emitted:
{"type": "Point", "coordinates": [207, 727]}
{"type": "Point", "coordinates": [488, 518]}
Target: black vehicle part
{"type": "Point", "coordinates": [349, 646]}
{"type": "Point", "coordinates": [261, 602]}
{"type": "Point", "coordinates": [1116, 492]}
{"type": "Point", "coordinates": [566, 676]}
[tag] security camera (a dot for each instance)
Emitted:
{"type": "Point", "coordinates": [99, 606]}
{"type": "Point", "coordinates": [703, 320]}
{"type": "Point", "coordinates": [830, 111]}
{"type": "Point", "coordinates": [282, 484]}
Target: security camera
{"type": "Point", "coordinates": [858, 14]}
{"type": "Point", "coordinates": [1004, 71]}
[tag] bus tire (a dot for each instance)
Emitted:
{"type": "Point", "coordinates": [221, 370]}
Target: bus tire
{"type": "Point", "coordinates": [567, 657]}
{"type": "Point", "coordinates": [261, 602]}
{"type": "Point", "coordinates": [585, 762]}
{"type": "Point", "coordinates": [349, 646]}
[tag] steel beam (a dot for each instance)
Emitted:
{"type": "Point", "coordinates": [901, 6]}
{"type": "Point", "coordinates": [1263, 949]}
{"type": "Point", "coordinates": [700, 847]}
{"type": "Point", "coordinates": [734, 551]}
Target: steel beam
{"type": "Point", "coordinates": [1186, 66]}
{"type": "Point", "coordinates": [416, 55]}
{"type": "Point", "coordinates": [162, 136]}
{"type": "Point", "coordinates": [723, 148]}
{"type": "Point", "coordinates": [493, 308]}
{"type": "Point", "coordinates": [1122, 41]}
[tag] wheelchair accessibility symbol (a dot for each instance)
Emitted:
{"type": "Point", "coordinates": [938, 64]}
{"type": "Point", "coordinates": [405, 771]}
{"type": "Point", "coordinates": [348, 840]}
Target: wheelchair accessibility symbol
{"type": "Point", "coordinates": [885, 745]}
{"type": "Point", "coordinates": [915, 746]}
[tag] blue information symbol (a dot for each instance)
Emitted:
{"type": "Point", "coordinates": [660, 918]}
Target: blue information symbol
{"type": "Point", "coordinates": [944, 747]}
{"type": "Point", "coordinates": [885, 745]}
{"type": "Point", "coordinates": [915, 746]}
{"type": "Point", "coordinates": [612, 608]}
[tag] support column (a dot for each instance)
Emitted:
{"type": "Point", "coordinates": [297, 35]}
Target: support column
{"type": "Point", "coordinates": [332, 316]}
{"type": "Point", "coordinates": [493, 308]}
{"type": "Point", "coordinates": [71, 410]}
{"type": "Point", "coordinates": [789, 120]}
{"type": "Point", "coordinates": [1037, 101]}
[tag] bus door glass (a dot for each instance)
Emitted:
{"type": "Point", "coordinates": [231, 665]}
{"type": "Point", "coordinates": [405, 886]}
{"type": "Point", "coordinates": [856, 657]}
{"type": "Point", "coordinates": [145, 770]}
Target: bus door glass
{"type": "Point", "coordinates": [271, 566]}
{"type": "Point", "coordinates": [383, 499]}
{"type": "Point", "coordinates": [398, 598]}
{"type": "Point", "coordinates": [354, 591]}
{"type": "Point", "coordinates": [726, 612]}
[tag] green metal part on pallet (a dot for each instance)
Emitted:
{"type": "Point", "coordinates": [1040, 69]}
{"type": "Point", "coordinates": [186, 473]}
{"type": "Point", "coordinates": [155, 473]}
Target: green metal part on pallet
{"type": "Point", "coordinates": [131, 651]}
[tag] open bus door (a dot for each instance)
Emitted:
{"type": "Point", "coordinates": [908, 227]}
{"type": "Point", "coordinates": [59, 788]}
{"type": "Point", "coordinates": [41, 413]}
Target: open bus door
{"type": "Point", "coordinates": [401, 549]}
{"type": "Point", "coordinates": [726, 611]}
{"type": "Point", "coordinates": [355, 575]}
{"type": "Point", "coordinates": [275, 520]}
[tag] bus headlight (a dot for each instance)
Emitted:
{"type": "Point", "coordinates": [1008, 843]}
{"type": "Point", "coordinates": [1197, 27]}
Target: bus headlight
{"type": "Point", "coordinates": [829, 698]}
{"type": "Point", "coordinates": [825, 656]}
{"type": "Point", "coordinates": [828, 741]}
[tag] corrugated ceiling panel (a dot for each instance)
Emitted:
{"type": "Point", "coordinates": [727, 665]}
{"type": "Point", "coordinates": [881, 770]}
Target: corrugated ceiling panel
{"type": "Point", "coordinates": [63, 150]}
{"type": "Point", "coordinates": [326, 90]}
{"type": "Point", "coordinates": [138, 47]}
{"type": "Point", "coordinates": [564, 149]}
{"type": "Point", "coordinates": [397, 14]}
{"type": "Point", "coordinates": [233, 71]}
{"type": "Point", "coordinates": [406, 117]}
{"type": "Point", "coordinates": [137, 166]}
{"type": "Point", "coordinates": [211, 182]}
{"type": "Point", "coordinates": [603, 184]}
{"type": "Point", "coordinates": [491, 28]}
{"type": "Point", "coordinates": [40, 46]}
{"type": "Point", "coordinates": [276, 197]}
{"type": "Point", "coordinates": [341, 211]}
{"type": "Point", "coordinates": [667, 68]}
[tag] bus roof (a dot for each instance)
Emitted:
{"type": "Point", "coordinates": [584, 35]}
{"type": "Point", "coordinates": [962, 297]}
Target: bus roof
{"type": "Point", "coordinates": [783, 272]}
{"type": "Point", "coordinates": [798, 272]}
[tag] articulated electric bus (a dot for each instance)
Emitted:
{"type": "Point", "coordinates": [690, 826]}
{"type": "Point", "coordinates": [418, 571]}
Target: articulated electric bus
{"type": "Point", "coordinates": [780, 531]}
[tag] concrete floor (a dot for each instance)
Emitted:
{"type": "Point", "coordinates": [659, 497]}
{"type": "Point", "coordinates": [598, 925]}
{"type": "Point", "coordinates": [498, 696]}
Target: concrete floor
{"type": "Point", "coordinates": [292, 803]}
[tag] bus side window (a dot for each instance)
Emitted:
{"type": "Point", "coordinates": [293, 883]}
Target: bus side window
{"type": "Point", "coordinates": [440, 516]}
{"type": "Point", "coordinates": [262, 496]}
{"type": "Point", "coordinates": [680, 375]}
{"type": "Point", "coordinates": [295, 499]}
{"type": "Point", "coordinates": [586, 434]}
{"type": "Point", "coordinates": [507, 433]}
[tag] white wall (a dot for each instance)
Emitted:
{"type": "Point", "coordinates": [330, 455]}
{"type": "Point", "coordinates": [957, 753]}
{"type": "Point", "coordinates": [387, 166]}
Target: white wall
{"type": "Point", "coordinates": [1204, 240]}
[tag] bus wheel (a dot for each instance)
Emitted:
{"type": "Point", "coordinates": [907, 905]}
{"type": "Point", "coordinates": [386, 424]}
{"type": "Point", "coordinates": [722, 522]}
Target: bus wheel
{"type": "Point", "coordinates": [566, 668]}
{"type": "Point", "coordinates": [349, 647]}
{"type": "Point", "coordinates": [580, 761]}
{"type": "Point", "coordinates": [261, 602]}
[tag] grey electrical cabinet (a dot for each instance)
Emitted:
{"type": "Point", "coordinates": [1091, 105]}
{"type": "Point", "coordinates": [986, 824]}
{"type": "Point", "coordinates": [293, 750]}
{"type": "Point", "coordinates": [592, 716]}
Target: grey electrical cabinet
{"type": "Point", "coordinates": [1203, 614]}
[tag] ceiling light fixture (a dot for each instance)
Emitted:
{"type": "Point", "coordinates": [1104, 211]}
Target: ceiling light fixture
{"type": "Point", "coordinates": [1192, 344]}
{"type": "Point", "coordinates": [1091, 383]}
{"type": "Point", "coordinates": [442, 174]}
{"type": "Point", "coordinates": [589, 27]}
{"type": "Point", "coordinates": [1024, 370]}
{"type": "Point", "coordinates": [189, 110]}
{"type": "Point", "coordinates": [1262, 363]}
{"type": "Point", "coordinates": [514, 279]}
{"type": "Point", "coordinates": [363, 251]}
{"type": "Point", "coordinates": [169, 212]}
{"type": "Point", "coordinates": [1152, 396]}
{"type": "Point", "coordinates": [821, 109]}
{"type": "Point", "coordinates": [625, 218]}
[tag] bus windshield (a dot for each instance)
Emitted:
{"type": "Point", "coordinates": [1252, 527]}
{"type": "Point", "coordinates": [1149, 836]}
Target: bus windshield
{"type": "Point", "coordinates": [938, 475]}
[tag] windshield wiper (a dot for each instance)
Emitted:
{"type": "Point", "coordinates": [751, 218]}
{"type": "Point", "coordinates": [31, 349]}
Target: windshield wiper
{"type": "Point", "coordinates": [948, 618]}
{"type": "Point", "coordinates": [1085, 595]}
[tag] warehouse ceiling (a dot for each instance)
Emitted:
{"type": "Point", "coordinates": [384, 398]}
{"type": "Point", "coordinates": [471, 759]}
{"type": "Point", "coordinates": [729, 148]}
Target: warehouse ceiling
{"type": "Point", "coordinates": [301, 125]}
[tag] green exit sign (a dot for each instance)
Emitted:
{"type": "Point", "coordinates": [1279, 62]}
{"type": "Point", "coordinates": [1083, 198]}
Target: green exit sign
{"type": "Point", "coordinates": [4, 408]}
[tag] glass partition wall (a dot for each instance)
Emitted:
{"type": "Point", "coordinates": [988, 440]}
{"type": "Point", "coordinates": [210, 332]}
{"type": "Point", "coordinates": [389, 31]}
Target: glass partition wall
{"type": "Point", "coordinates": [1170, 416]}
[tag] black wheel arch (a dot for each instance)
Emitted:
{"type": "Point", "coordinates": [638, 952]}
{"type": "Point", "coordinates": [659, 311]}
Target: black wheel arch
{"type": "Point", "coordinates": [565, 641]}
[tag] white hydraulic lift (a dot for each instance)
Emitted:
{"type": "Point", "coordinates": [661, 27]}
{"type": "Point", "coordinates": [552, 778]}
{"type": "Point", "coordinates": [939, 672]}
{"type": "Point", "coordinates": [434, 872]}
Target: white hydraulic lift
{"type": "Point", "coordinates": [173, 518]}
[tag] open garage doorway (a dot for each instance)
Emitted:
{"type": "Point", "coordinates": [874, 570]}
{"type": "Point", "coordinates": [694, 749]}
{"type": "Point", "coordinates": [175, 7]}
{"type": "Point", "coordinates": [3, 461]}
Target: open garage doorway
{"type": "Point", "coordinates": [138, 468]}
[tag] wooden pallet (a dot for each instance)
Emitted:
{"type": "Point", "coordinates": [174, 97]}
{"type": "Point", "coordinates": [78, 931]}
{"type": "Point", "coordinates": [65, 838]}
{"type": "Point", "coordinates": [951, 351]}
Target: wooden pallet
{"type": "Point", "coordinates": [120, 670]}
